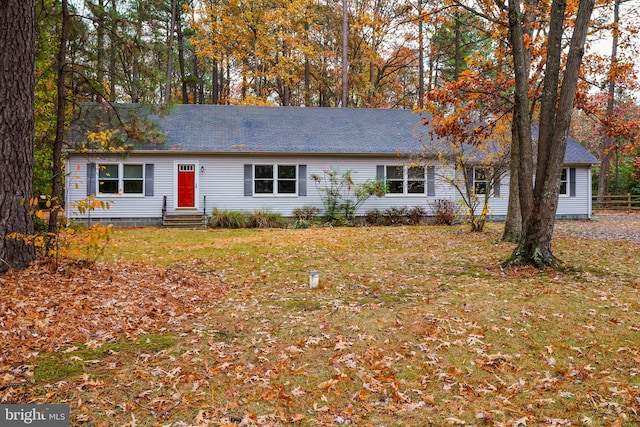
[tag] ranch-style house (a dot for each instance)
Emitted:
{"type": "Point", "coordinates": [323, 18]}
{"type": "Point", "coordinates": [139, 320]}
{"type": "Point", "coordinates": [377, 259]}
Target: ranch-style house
{"type": "Point", "coordinates": [263, 158]}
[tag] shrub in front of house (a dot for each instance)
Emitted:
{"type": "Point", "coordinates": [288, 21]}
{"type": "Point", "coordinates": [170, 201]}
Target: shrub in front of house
{"type": "Point", "coordinates": [229, 219]}
{"type": "Point", "coordinates": [416, 215]}
{"type": "Point", "coordinates": [306, 213]}
{"type": "Point", "coordinates": [241, 219]}
{"type": "Point", "coordinates": [444, 212]}
{"type": "Point", "coordinates": [395, 215]}
{"type": "Point", "coordinates": [266, 219]}
{"type": "Point", "coordinates": [305, 216]}
{"type": "Point", "coordinates": [374, 217]}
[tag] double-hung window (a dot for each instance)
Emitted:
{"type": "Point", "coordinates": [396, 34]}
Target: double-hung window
{"type": "Point", "coordinates": [405, 180]}
{"type": "Point", "coordinates": [564, 182]}
{"type": "Point", "coordinates": [415, 180]}
{"type": "Point", "coordinates": [120, 178]}
{"type": "Point", "coordinates": [395, 179]}
{"type": "Point", "coordinates": [275, 179]}
{"type": "Point", "coordinates": [480, 180]}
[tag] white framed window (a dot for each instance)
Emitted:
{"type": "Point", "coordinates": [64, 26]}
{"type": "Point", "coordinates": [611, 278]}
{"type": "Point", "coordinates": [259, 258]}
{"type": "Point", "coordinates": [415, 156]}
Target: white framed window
{"type": "Point", "coordinates": [275, 179]}
{"type": "Point", "coordinates": [415, 180]}
{"type": "Point", "coordinates": [564, 182]}
{"type": "Point", "coordinates": [405, 179]}
{"type": "Point", "coordinates": [120, 178]}
{"type": "Point", "coordinates": [480, 180]}
{"type": "Point", "coordinates": [408, 180]}
{"type": "Point", "coordinates": [395, 178]}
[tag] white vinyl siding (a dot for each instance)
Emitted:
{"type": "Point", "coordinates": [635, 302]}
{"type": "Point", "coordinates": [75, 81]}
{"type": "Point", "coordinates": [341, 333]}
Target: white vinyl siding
{"type": "Point", "coordinates": [580, 203]}
{"type": "Point", "coordinates": [221, 179]}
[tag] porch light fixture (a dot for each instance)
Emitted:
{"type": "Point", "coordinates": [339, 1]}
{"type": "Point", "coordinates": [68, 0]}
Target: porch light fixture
{"type": "Point", "coordinates": [314, 279]}
{"type": "Point", "coordinates": [202, 169]}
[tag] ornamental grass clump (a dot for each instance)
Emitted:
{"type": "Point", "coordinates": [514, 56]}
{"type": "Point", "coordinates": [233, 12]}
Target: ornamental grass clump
{"type": "Point", "coordinates": [266, 219]}
{"type": "Point", "coordinates": [229, 219]}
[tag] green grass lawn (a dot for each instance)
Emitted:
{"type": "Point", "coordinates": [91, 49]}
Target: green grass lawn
{"type": "Point", "coordinates": [410, 326]}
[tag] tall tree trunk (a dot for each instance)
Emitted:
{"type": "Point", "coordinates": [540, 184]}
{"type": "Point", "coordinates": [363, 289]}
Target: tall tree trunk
{"type": "Point", "coordinates": [225, 83]}
{"type": "Point", "coordinates": [458, 55]}
{"type": "Point", "coordinates": [307, 81]}
{"type": "Point", "coordinates": [420, 57]}
{"type": "Point", "coordinates": [112, 51]}
{"type": "Point", "coordinates": [430, 82]}
{"type": "Point", "coordinates": [135, 79]}
{"type": "Point", "coordinates": [605, 147]}
{"type": "Point", "coordinates": [171, 31]}
{"type": "Point", "coordinates": [539, 207]}
{"type": "Point", "coordinates": [513, 223]}
{"type": "Point", "coordinates": [215, 87]}
{"type": "Point", "coordinates": [56, 180]}
{"type": "Point", "coordinates": [521, 117]}
{"type": "Point", "coordinates": [100, 47]}
{"type": "Point", "coordinates": [198, 92]}
{"type": "Point", "coordinates": [345, 52]}
{"type": "Point", "coordinates": [307, 68]}
{"type": "Point", "coordinates": [372, 83]}
{"type": "Point", "coordinates": [243, 88]}
{"type": "Point", "coordinates": [183, 76]}
{"type": "Point", "coordinates": [286, 95]}
{"type": "Point", "coordinates": [17, 128]}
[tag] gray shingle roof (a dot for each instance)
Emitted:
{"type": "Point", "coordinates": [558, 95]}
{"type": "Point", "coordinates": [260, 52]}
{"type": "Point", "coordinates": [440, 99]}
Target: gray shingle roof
{"type": "Point", "coordinates": [221, 128]}
{"type": "Point", "coordinates": [297, 130]}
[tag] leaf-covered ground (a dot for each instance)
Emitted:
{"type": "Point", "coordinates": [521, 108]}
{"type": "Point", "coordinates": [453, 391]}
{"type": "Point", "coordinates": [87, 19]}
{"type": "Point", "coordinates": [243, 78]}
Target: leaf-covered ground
{"type": "Point", "coordinates": [410, 326]}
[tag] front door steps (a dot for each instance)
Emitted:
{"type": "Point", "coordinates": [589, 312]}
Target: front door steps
{"type": "Point", "coordinates": [186, 221]}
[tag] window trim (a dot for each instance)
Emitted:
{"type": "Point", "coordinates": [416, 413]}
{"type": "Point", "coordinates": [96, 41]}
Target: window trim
{"type": "Point", "coordinates": [121, 179]}
{"type": "Point", "coordinates": [402, 180]}
{"type": "Point", "coordinates": [470, 178]}
{"type": "Point", "coordinates": [276, 167]}
{"type": "Point", "coordinates": [571, 186]}
{"type": "Point", "coordinates": [423, 180]}
{"type": "Point", "coordinates": [476, 181]}
{"type": "Point", "coordinates": [567, 181]}
{"type": "Point", "coordinates": [406, 181]}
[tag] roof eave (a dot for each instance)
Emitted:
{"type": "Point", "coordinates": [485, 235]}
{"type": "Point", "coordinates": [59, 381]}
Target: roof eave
{"type": "Point", "coordinates": [584, 164]}
{"type": "Point", "coordinates": [235, 153]}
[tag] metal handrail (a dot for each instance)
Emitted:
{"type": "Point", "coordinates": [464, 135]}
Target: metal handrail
{"type": "Point", "coordinates": [164, 207]}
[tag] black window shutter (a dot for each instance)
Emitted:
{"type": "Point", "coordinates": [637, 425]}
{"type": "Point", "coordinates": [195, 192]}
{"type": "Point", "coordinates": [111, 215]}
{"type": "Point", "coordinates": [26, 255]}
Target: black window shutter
{"type": "Point", "coordinates": [91, 179]}
{"type": "Point", "coordinates": [431, 180]}
{"type": "Point", "coordinates": [572, 182]}
{"type": "Point", "coordinates": [302, 180]}
{"type": "Point", "coordinates": [496, 186]}
{"type": "Point", "coordinates": [148, 179]}
{"type": "Point", "coordinates": [248, 180]}
{"type": "Point", "coordinates": [380, 172]}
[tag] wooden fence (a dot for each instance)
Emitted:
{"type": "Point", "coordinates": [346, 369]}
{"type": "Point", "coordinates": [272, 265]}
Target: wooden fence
{"type": "Point", "coordinates": [623, 202]}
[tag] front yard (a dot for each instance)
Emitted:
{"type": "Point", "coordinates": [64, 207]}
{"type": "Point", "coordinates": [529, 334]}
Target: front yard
{"type": "Point", "coordinates": [409, 326]}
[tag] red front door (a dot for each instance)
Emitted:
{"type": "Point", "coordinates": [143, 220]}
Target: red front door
{"type": "Point", "coordinates": [186, 186]}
